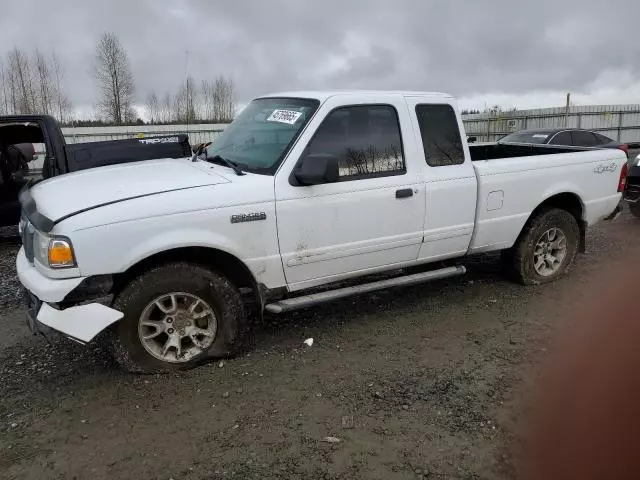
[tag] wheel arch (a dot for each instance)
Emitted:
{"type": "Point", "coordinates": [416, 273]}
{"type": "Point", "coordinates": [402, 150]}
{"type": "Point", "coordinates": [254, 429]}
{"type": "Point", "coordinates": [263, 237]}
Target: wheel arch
{"type": "Point", "coordinates": [213, 258]}
{"type": "Point", "coordinates": [568, 201]}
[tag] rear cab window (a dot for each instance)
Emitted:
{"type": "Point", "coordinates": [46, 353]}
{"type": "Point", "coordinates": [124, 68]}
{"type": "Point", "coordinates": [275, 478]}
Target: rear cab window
{"type": "Point", "coordinates": [441, 139]}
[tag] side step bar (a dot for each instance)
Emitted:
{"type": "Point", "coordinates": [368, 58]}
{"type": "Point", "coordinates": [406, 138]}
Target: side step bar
{"type": "Point", "coordinates": [296, 303]}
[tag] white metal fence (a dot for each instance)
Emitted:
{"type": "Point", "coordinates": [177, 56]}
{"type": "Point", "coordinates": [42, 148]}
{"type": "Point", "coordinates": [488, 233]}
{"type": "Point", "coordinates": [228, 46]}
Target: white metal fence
{"type": "Point", "coordinates": [619, 122]}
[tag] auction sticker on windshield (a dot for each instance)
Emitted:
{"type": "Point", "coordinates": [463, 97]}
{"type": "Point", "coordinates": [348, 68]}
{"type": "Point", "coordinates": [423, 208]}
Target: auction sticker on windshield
{"type": "Point", "coordinates": [284, 116]}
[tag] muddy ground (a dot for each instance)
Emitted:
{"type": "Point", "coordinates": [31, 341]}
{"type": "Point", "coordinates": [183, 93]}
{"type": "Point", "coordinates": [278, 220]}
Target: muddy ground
{"type": "Point", "coordinates": [420, 382]}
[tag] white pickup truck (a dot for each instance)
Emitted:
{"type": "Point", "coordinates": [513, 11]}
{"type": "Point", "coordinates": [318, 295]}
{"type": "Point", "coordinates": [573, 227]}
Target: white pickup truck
{"type": "Point", "coordinates": [169, 259]}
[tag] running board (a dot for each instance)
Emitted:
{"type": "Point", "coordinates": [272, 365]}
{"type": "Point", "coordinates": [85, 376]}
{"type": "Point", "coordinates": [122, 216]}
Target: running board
{"type": "Point", "coordinates": [295, 303]}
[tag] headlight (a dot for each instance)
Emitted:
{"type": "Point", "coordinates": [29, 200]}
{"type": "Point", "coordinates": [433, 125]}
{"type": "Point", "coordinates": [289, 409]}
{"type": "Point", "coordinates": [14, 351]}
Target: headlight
{"type": "Point", "coordinates": [54, 252]}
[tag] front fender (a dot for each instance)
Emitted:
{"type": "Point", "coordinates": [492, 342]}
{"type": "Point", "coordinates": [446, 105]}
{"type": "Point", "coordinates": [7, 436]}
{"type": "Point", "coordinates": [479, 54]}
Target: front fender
{"type": "Point", "coordinates": [171, 240]}
{"type": "Point", "coordinates": [115, 248]}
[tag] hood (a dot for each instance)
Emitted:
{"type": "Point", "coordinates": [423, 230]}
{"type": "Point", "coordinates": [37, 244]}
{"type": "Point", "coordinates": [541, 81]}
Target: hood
{"type": "Point", "coordinates": [62, 196]}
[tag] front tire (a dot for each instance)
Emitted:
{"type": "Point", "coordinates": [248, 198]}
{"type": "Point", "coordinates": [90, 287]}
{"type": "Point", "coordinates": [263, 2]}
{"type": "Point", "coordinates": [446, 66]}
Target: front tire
{"type": "Point", "coordinates": [546, 248]}
{"type": "Point", "coordinates": [175, 317]}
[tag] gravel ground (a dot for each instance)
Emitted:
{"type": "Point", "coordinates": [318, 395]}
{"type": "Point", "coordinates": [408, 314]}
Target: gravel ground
{"type": "Point", "coordinates": [10, 295]}
{"type": "Point", "coordinates": [423, 382]}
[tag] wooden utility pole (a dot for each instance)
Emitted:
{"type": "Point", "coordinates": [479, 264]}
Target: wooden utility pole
{"type": "Point", "coordinates": [566, 111]}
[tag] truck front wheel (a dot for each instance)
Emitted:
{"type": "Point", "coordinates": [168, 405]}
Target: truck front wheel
{"type": "Point", "coordinates": [546, 248]}
{"type": "Point", "coordinates": [176, 316]}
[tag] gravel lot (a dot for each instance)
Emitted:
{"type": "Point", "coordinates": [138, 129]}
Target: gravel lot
{"type": "Point", "coordinates": [420, 382]}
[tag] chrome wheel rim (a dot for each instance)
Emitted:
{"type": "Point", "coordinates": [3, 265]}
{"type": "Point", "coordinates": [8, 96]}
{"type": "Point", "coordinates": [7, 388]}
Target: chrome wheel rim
{"type": "Point", "coordinates": [177, 326]}
{"type": "Point", "coordinates": [550, 252]}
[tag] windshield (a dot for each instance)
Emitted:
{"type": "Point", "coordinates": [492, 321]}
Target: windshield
{"type": "Point", "coordinates": [527, 137]}
{"type": "Point", "coordinates": [259, 138]}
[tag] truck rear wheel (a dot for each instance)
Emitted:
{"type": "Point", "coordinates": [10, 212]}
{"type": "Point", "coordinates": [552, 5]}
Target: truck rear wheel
{"type": "Point", "coordinates": [546, 248]}
{"type": "Point", "coordinates": [175, 317]}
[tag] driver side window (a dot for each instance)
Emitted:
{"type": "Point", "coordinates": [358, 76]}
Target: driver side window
{"type": "Point", "coordinates": [365, 139]}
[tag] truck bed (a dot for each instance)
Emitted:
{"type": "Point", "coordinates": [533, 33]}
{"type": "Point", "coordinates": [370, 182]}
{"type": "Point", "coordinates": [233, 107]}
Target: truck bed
{"type": "Point", "coordinates": [509, 191]}
{"type": "Point", "coordinates": [493, 151]}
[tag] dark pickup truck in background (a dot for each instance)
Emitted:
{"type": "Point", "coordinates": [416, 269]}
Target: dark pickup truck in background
{"type": "Point", "coordinates": [20, 131]}
{"type": "Point", "coordinates": [632, 190]}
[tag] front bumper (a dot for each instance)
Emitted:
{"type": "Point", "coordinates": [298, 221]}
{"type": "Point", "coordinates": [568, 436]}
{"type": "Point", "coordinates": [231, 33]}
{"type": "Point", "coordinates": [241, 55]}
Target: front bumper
{"type": "Point", "coordinates": [46, 305]}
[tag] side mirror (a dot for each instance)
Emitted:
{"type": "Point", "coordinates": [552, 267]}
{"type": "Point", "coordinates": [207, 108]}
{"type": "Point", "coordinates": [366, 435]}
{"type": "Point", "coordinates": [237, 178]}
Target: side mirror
{"type": "Point", "coordinates": [200, 148]}
{"type": "Point", "coordinates": [472, 139]}
{"type": "Point", "coordinates": [317, 168]}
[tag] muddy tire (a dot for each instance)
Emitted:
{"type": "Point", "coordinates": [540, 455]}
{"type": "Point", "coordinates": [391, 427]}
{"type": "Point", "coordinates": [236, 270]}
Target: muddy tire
{"type": "Point", "coordinates": [177, 316]}
{"type": "Point", "coordinates": [546, 247]}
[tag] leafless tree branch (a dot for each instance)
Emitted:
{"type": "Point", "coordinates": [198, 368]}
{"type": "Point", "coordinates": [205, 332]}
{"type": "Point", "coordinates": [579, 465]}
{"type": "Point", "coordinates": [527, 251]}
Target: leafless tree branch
{"type": "Point", "coordinates": [113, 74]}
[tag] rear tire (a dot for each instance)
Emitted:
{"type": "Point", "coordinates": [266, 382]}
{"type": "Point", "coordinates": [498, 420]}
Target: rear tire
{"type": "Point", "coordinates": [546, 247]}
{"type": "Point", "coordinates": [175, 317]}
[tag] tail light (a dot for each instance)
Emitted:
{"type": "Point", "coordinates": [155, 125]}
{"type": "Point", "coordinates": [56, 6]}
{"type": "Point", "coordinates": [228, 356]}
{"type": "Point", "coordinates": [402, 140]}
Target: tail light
{"type": "Point", "coordinates": [624, 148]}
{"type": "Point", "coordinates": [623, 177]}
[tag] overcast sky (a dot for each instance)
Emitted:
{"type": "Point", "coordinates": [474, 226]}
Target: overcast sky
{"type": "Point", "coordinates": [515, 53]}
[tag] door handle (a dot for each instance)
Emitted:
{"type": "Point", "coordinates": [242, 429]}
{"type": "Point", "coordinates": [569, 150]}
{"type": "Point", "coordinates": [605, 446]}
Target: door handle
{"type": "Point", "coordinates": [404, 193]}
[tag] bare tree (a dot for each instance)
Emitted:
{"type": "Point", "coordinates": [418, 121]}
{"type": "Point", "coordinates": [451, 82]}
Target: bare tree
{"type": "Point", "coordinates": [166, 109]}
{"type": "Point", "coordinates": [223, 99]}
{"type": "Point", "coordinates": [208, 106]}
{"type": "Point", "coordinates": [153, 108]}
{"type": "Point", "coordinates": [43, 83]}
{"type": "Point", "coordinates": [115, 80]}
{"type": "Point", "coordinates": [5, 106]}
{"type": "Point", "coordinates": [185, 101]}
{"type": "Point", "coordinates": [62, 104]}
{"type": "Point", "coordinates": [20, 82]}
{"type": "Point", "coordinates": [32, 85]}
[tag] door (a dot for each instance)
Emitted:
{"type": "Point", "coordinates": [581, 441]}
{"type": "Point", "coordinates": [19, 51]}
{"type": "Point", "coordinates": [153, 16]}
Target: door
{"type": "Point", "coordinates": [450, 180]}
{"type": "Point", "coordinates": [373, 216]}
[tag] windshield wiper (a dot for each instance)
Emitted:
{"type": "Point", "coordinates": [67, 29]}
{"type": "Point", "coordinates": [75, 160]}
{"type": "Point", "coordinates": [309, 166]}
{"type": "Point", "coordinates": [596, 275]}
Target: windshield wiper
{"type": "Point", "coordinates": [232, 165]}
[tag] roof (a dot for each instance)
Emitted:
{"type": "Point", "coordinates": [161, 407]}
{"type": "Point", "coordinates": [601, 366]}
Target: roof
{"type": "Point", "coordinates": [323, 95]}
{"type": "Point", "coordinates": [552, 130]}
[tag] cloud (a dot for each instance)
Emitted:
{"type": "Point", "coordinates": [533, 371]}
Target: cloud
{"type": "Point", "coordinates": [515, 51]}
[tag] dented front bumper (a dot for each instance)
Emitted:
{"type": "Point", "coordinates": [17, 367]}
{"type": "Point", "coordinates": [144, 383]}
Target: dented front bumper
{"type": "Point", "coordinates": [49, 308]}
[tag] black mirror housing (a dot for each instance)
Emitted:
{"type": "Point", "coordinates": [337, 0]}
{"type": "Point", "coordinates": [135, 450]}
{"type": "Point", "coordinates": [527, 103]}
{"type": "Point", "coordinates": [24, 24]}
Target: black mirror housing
{"type": "Point", "coordinates": [316, 169]}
